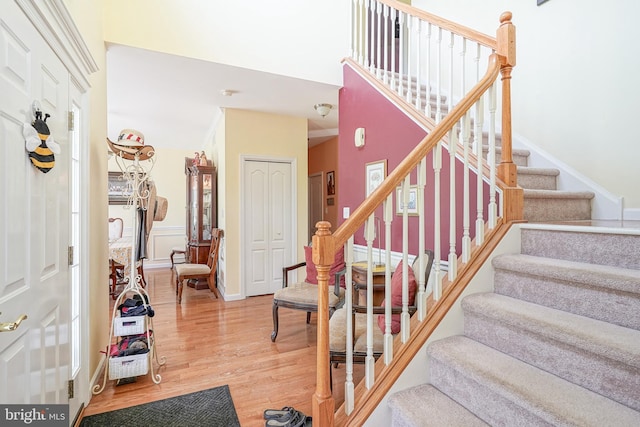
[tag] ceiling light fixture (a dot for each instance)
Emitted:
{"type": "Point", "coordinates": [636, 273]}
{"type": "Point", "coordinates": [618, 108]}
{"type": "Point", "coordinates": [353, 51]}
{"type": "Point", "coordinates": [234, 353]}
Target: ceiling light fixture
{"type": "Point", "coordinates": [227, 92]}
{"type": "Point", "coordinates": [323, 109]}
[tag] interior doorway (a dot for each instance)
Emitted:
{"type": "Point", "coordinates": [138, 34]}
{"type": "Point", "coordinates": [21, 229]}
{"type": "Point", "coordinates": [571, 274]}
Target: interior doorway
{"type": "Point", "coordinates": [316, 210]}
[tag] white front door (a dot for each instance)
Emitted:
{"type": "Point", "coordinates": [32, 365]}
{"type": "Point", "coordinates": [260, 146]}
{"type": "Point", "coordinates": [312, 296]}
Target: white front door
{"type": "Point", "coordinates": [34, 218]}
{"type": "Point", "coordinates": [268, 225]}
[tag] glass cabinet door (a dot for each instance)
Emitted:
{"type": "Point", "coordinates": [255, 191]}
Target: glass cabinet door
{"type": "Point", "coordinates": [194, 220]}
{"type": "Point", "coordinates": [206, 206]}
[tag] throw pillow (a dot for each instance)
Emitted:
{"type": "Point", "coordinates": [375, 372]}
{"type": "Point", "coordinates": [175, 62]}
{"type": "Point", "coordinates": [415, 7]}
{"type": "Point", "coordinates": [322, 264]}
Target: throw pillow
{"type": "Point", "coordinates": [312, 272]}
{"type": "Point", "coordinates": [396, 296]}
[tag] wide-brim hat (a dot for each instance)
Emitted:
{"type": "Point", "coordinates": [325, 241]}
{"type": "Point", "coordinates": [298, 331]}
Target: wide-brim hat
{"type": "Point", "coordinates": [130, 138]}
{"type": "Point", "coordinates": [129, 153]}
{"type": "Point", "coordinates": [161, 208]}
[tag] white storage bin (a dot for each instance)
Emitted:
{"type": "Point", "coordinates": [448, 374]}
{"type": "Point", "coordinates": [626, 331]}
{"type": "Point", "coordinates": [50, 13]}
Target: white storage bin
{"type": "Point", "coordinates": [128, 366]}
{"type": "Point", "coordinates": [132, 325]}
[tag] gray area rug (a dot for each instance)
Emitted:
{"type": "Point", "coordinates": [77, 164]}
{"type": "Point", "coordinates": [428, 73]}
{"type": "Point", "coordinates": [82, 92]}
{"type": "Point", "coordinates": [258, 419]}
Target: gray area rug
{"type": "Point", "coordinates": [212, 407]}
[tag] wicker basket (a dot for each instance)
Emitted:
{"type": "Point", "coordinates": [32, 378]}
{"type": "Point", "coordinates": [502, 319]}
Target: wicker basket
{"type": "Point", "coordinates": [132, 325]}
{"type": "Point", "coordinates": [128, 366]}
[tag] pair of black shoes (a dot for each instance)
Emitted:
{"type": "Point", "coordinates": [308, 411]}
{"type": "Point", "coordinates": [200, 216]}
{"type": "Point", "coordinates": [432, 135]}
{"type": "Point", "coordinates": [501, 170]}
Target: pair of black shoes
{"type": "Point", "coordinates": [286, 417]}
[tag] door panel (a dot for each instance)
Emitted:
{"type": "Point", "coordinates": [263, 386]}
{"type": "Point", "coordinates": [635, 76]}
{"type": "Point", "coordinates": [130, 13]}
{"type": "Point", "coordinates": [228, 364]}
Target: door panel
{"type": "Point", "coordinates": [267, 224]}
{"type": "Point", "coordinates": [34, 230]}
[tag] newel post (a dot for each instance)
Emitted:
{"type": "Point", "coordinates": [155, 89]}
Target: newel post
{"type": "Point", "coordinates": [507, 170]}
{"type": "Point", "coordinates": [323, 405]}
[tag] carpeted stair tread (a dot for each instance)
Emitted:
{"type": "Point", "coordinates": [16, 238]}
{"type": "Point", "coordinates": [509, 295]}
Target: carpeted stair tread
{"type": "Point", "coordinates": [594, 245]}
{"type": "Point", "coordinates": [601, 292]}
{"type": "Point", "coordinates": [557, 194]}
{"type": "Point", "coordinates": [408, 408]}
{"type": "Point", "coordinates": [519, 156]}
{"type": "Point", "coordinates": [502, 390]}
{"type": "Point", "coordinates": [599, 356]}
{"type": "Point", "coordinates": [526, 170]}
{"type": "Point", "coordinates": [604, 276]}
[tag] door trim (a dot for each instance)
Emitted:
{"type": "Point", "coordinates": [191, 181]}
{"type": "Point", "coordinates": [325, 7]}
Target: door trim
{"type": "Point", "coordinates": [293, 162]}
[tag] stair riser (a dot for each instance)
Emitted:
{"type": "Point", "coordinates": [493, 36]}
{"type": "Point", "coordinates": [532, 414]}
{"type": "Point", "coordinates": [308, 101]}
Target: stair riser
{"type": "Point", "coordinates": [619, 308]}
{"type": "Point", "coordinates": [614, 380]}
{"type": "Point", "coordinates": [488, 405]}
{"type": "Point", "coordinates": [620, 250]}
{"type": "Point", "coordinates": [543, 210]}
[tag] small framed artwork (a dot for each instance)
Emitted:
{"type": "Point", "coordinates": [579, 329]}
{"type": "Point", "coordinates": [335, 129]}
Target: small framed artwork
{"type": "Point", "coordinates": [119, 190]}
{"type": "Point", "coordinates": [412, 206]}
{"type": "Point", "coordinates": [331, 183]}
{"type": "Point", "coordinates": [330, 201]}
{"type": "Point", "coordinates": [375, 173]}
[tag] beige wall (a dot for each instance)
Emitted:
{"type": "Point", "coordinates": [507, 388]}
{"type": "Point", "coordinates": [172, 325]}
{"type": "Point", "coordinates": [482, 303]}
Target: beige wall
{"type": "Point", "coordinates": [574, 87]}
{"type": "Point", "coordinates": [88, 18]}
{"type": "Point", "coordinates": [200, 29]}
{"type": "Point", "coordinates": [259, 134]}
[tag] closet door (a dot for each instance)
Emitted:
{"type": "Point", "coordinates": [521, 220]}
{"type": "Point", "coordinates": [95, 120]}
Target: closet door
{"type": "Point", "coordinates": [267, 224]}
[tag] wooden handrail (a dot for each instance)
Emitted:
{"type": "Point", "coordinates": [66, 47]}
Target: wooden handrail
{"type": "Point", "coordinates": [445, 24]}
{"type": "Point", "coordinates": [363, 211]}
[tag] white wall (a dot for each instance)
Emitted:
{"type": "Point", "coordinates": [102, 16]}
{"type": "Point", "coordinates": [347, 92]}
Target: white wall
{"type": "Point", "coordinates": [256, 34]}
{"type": "Point", "coordinates": [575, 86]}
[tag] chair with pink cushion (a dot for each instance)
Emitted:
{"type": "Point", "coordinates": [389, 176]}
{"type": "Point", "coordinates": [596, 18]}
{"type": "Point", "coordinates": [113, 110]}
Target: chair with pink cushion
{"type": "Point", "coordinates": [303, 295]}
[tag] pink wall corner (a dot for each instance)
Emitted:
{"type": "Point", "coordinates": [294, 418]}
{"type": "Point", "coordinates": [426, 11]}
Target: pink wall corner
{"type": "Point", "coordinates": [390, 135]}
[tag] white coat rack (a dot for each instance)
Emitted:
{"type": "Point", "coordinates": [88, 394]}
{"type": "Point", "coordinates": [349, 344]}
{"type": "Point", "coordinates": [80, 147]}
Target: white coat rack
{"type": "Point", "coordinates": [135, 166]}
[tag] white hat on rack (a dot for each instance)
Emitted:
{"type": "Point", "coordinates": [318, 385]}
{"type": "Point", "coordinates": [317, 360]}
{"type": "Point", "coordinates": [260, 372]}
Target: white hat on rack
{"type": "Point", "coordinates": [130, 138]}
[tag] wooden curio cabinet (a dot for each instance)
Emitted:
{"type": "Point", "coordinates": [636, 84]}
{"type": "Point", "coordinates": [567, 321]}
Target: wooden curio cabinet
{"type": "Point", "coordinates": [201, 212]}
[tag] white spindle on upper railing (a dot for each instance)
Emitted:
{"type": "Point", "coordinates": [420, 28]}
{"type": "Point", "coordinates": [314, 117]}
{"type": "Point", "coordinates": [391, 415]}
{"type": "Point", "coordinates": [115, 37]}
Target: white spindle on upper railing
{"type": "Point", "coordinates": [392, 24]}
{"type": "Point", "coordinates": [401, 52]}
{"type": "Point", "coordinates": [418, 37]}
{"type": "Point", "coordinates": [408, 49]}
{"type": "Point", "coordinates": [379, 67]}
{"type": "Point", "coordinates": [427, 107]}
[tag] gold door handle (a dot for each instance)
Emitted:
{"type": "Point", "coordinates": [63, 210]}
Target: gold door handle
{"type": "Point", "coordinates": [12, 326]}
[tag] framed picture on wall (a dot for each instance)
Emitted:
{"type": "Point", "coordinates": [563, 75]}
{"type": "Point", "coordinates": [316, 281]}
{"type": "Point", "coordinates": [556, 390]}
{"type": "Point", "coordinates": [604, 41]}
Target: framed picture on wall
{"type": "Point", "coordinates": [119, 190]}
{"type": "Point", "coordinates": [412, 206]}
{"type": "Point", "coordinates": [331, 183]}
{"type": "Point", "coordinates": [375, 173]}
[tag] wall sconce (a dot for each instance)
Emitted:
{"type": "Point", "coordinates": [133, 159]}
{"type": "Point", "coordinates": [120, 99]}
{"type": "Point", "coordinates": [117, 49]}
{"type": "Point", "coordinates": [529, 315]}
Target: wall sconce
{"type": "Point", "coordinates": [359, 137]}
{"type": "Point", "coordinates": [323, 109]}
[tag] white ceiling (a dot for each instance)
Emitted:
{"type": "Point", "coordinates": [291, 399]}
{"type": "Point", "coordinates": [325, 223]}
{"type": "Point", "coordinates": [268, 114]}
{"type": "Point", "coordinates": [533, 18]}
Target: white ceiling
{"type": "Point", "coordinates": [176, 101]}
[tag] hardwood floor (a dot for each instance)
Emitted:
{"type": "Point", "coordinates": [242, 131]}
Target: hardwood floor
{"type": "Point", "coordinates": [208, 342]}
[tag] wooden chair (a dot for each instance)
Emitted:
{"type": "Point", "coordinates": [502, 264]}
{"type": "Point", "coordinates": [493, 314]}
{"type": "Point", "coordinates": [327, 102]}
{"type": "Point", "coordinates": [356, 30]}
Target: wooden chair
{"type": "Point", "coordinates": [304, 295]}
{"type": "Point", "coordinates": [200, 271]}
{"type": "Point", "coordinates": [116, 270]}
{"type": "Point", "coordinates": [337, 323]}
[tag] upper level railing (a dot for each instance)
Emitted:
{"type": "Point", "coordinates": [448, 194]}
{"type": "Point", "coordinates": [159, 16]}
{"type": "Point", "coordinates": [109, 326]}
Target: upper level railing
{"type": "Point", "coordinates": [445, 77]}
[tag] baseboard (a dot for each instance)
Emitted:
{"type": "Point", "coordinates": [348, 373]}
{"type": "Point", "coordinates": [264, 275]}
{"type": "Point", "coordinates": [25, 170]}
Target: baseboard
{"type": "Point", "coordinates": [631, 214]}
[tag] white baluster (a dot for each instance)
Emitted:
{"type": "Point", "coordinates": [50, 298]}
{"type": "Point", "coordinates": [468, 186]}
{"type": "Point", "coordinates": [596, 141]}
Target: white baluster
{"type": "Point", "coordinates": [366, 34]}
{"type": "Point", "coordinates": [369, 359]}
{"type": "Point", "coordinates": [388, 336]}
{"type": "Point", "coordinates": [438, 76]}
{"type": "Point", "coordinates": [493, 206]}
{"type": "Point", "coordinates": [361, 29]}
{"type": "Point", "coordinates": [421, 297]}
{"type": "Point", "coordinates": [477, 138]}
{"type": "Point", "coordinates": [437, 209]}
{"type": "Point", "coordinates": [452, 260]}
{"type": "Point", "coordinates": [401, 49]}
{"type": "Point", "coordinates": [378, 65]}
{"type": "Point", "coordinates": [409, 52]}
{"type": "Point", "coordinates": [466, 208]}
{"type": "Point", "coordinates": [404, 317]}
{"type": "Point", "coordinates": [418, 102]}
{"type": "Point", "coordinates": [393, 49]}
{"type": "Point", "coordinates": [427, 108]}
{"type": "Point", "coordinates": [387, 24]}
{"type": "Point", "coordinates": [349, 398]}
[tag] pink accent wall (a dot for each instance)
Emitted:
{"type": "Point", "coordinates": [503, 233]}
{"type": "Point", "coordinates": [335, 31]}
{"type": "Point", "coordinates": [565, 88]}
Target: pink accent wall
{"type": "Point", "coordinates": [390, 135]}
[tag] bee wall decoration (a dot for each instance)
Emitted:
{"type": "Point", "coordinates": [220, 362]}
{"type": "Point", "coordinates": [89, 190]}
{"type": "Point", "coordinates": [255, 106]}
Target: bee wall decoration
{"type": "Point", "coordinates": [39, 143]}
